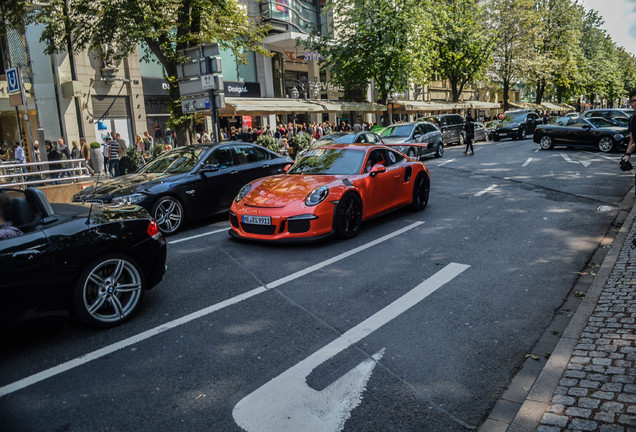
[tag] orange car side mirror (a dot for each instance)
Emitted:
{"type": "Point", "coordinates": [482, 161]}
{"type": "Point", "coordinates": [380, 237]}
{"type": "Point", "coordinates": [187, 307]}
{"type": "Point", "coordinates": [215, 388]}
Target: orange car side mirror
{"type": "Point", "coordinates": [377, 169]}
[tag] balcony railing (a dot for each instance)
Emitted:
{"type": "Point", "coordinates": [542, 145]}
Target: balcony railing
{"type": "Point", "coordinates": [304, 16]}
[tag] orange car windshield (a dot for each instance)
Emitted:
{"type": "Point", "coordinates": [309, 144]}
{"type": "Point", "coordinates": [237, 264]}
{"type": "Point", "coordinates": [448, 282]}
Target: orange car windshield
{"type": "Point", "coordinates": [329, 161]}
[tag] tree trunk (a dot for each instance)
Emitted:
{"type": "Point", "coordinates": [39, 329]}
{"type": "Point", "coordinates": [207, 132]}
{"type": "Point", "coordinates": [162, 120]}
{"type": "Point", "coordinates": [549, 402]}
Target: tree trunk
{"type": "Point", "coordinates": [540, 91]}
{"type": "Point", "coordinates": [506, 96]}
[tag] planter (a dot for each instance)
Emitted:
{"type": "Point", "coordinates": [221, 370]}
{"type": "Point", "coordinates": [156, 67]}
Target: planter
{"type": "Point", "coordinates": [97, 160]}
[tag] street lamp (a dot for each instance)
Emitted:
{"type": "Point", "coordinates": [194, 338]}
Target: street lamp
{"type": "Point", "coordinates": [294, 93]}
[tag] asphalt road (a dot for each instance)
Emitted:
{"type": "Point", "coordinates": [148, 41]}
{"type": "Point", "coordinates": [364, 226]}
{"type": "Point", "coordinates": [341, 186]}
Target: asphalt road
{"type": "Point", "coordinates": [418, 323]}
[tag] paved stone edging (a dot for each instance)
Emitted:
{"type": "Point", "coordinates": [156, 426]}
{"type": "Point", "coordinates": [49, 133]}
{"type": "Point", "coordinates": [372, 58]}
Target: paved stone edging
{"type": "Point", "coordinates": [584, 389]}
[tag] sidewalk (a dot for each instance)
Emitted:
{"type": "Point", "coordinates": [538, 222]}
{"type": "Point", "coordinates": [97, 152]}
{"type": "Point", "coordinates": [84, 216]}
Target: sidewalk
{"type": "Point", "coordinates": [589, 381]}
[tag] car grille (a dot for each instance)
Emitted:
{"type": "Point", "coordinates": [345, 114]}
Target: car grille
{"type": "Point", "coordinates": [298, 226]}
{"type": "Point", "coordinates": [259, 229]}
{"type": "Point", "coordinates": [234, 220]}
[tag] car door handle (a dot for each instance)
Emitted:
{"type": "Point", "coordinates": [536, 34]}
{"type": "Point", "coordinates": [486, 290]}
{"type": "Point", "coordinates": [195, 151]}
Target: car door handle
{"type": "Point", "coordinates": [397, 176]}
{"type": "Point", "coordinates": [28, 254]}
{"type": "Point", "coordinates": [234, 172]}
{"type": "Point", "coordinates": [266, 166]}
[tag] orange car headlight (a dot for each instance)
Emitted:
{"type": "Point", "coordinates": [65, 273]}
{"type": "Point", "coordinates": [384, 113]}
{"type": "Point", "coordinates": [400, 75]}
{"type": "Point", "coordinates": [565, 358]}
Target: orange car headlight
{"type": "Point", "coordinates": [244, 190]}
{"type": "Point", "coordinates": [317, 196]}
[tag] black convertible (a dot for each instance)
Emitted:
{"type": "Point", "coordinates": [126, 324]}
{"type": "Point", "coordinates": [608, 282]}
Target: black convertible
{"type": "Point", "coordinates": [597, 132]}
{"type": "Point", "coordinates": [189, 182]}
{"type": "Point", "coordinates": [95, 261]}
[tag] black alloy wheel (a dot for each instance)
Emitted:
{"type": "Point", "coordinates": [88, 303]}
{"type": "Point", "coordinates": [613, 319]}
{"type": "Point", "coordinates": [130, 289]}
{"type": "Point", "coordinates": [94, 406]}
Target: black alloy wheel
{"type": "Point", "coordinates": [410, 152]}
{"type": "Point", "coordinates": [348, 216]}
{"type": "Point", "coordinates": [108, 291]}
{"type": "Point", "coordinates": [440, 150]}
{"type": "Point", "coordinates": [546, 142]}
{"type": "Point", "coordinates": [606, 144]}
{"type": "Point", "coordinates": [421, 191]}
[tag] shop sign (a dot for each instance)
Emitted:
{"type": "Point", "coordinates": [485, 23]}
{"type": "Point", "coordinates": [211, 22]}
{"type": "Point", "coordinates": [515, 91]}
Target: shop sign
{"type": "Point", "coordinates": [242, 89]}
{"type": "Point", "coordinates": [304, 56]}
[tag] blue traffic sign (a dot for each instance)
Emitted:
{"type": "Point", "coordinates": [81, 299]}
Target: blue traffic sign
{"type": "Point", "coordinates": [13, 80]}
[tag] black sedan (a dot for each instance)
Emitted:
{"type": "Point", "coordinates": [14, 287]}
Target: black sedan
{"type": "Point", "coordinates": [516, 125]}
{"type": "Point", "coordinates": [597, 132]}
{"type": "Point", "coordinates": [189, 182]}
{"type": "Point", "coordinates": [420, 132]}
{"type": "Point", "coordinates": [93, 260]}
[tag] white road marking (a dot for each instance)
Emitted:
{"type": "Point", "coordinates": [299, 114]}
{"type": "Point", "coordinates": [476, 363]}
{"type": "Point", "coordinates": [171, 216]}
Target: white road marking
{"type": "Point", "coordinates": [199, 235]}
{"type": "Point", "coordinates": [287, 403]}
{"type": "Point", "coordinates": [448, 161]}
{"type": "Point", "coordinates": [527, 162]}
{"type": "Point", "coordinates": [71, 364]}
{"type": "Point", "coordinates": [488, 189]}
{"type": "Point", "coordinates": [567, 159]}
{"type": "Point", "coordinates": [538, 150]}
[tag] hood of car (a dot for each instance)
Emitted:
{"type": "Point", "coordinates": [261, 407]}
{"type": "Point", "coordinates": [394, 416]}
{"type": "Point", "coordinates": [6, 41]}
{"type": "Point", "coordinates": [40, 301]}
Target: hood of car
{"type": "Point", "coordinates": [395, 140]}
{"type": "Point", "coordinates": [507, 125]}
{"type": "Point", "coordinates": [281, 190]}
{"type": "Point", "coordinates": [104, 190]}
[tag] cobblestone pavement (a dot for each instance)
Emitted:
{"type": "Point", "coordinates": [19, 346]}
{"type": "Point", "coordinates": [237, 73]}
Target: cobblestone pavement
{"type": "Point", "coordinates": [597, 391]}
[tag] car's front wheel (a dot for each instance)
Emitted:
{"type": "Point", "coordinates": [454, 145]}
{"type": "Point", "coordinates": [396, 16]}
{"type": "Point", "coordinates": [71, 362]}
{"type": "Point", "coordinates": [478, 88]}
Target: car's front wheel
{"type": "Point", "coordinates": [546, 143]}
{"type": "Point", "coordinates": [606, 144]}
{"type": "Point", "coordinates": [108, 291]}
{"type": "Point", "coordinates": [440, 150]}
{"type": "Point", "coordinates": [411, 152]}
{"type": "Point", "coordinates": [348, 216]}
{"type": "Point", "coordinates": [462, 140]}
{"type": "Point", "coordinates": [421, 191]}
{"type": "Point", "coordinates": [522, 134]}
{"type": "Point", "coordinates": [168, 212]}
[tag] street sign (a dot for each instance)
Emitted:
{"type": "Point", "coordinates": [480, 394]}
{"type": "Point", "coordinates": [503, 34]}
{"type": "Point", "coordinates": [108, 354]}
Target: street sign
{"type": "Point", "coordinates": [200, 51]}
{"type": "Point", "coordinates": [13, 80]}
{"type": "Point", "coordinates": [212, 82]}
{"type": "Point", "coordinates": [194, 104]}
{"type": "Point", "coordinates": [190, 87]}
{"type": "Point", "coordinates": [191, 70]}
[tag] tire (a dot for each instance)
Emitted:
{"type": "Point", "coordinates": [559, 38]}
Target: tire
{"type": "Point", "coordinates": [421, 192]}
{"type": "Point", "coordinates": [410, 152]}
{"type": "Point", "coordinates": [546, 143]}
{"type": "Point", "coordinates": [606, 144]}
{"type": "Point", "coordinates": [440, 150]}
{"type": "Point", "coordinates": [495, 138]}
{"type": "Point", "coordinates": [462, 140]}
{"type": "Point", "coordinates": [348, 216]}
{"type": "Point", "coordinates": [168, 212]}
{"type": "Point", "coordinates": [108, 291]}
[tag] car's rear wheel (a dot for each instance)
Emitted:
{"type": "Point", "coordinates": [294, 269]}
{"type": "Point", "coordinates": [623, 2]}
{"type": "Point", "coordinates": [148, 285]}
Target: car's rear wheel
{"type": "Point", "coordinates": [606, 144]}
{"type": "Point", "coordinates": [440, 150]}
{"type": "Point", "coordinates": [168, 212]}
{"type": "Point", "coordinates": [546, 142]}
{"type": "Point", "coordinates": [411, 152]}
{"type": "Point", "coordinates": [495, 138]}
{"type": "Point", "coordinates": [462, 139]}
{"type": "Point", "coordinates": [108, 291]}
{"type": "Point", "coordinates": [522, 134]}
{"type": "Point", "coordinates": [421, 191]}
{"type": "Point", "coordinates": [348, 216]}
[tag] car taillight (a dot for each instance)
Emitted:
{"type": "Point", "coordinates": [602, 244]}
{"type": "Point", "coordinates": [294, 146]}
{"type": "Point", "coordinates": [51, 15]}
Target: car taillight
{"type": "Point", "coordinates": [153, 229]}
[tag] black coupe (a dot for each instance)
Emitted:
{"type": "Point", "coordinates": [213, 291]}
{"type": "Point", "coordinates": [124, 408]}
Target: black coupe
{"type": "Point", "coordinates": [597, 132]}
{"type": "Point", "coordinates": [96, 261]}
{"type": "Point", "coordinates": [189, 182]}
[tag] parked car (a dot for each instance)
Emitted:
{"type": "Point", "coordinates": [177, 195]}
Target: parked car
{"type": "Point", "coordinates": [96, 261]}
{"type": "Point", "coordinates": [609, 113]}
{"type": "Point", "coordinates": [490, 126]}
{"type": "Point", "coordinates": [364, 137]}
{"type": "Point", "coordinates": [516, 125]}
{"type": "Point", "coordinates": [188, 183]}
{"type": "Point", "coordinates": [597, 132]}
{"type": "Point", "coordinates": [331, 190]}
{"type": "Point", "coordinates": [420, 132]}
{"type": "Point", "coordinates": [480, 132]}
{"type": "Point", "coordinates": [451, 126]}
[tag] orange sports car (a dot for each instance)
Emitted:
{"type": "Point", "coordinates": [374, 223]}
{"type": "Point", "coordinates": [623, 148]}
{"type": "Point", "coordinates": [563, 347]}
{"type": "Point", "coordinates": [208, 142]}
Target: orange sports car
{"type": "Point", "coordinates": [331, 190]}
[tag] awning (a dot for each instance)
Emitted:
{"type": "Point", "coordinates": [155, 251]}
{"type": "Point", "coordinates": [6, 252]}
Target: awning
{"type": "Point", "coordinates": [526, 105]}
{"type": "Point", "coordinates": [410, 106]}
{"type": "Point", "coordinates": [484, 105]}
{"type": "Point", "coordinates": [551, 106]}
{"type": "Point", "coordinates": [267, 106]}
{"type": "Point", "coordinates": [342, 106]}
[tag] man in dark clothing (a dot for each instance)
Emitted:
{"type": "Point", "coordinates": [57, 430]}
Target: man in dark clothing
{"type": "Point", "coordinates": [243, 136]}
{"type": "Point", "coordinates": [469, 128]}
{"type": "Point", "coordinates": [632, 127]}
{"type": "Point", "coordinates": [7, 230]}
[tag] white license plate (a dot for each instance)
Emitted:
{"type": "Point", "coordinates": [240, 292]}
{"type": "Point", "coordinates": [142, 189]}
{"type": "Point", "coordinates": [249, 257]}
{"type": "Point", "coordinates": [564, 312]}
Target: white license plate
{"type": "Point", "coordinates": [257, 220]}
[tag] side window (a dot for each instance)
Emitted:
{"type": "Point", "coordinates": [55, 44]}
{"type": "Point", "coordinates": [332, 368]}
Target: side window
{"type": "Point", "coordinates": [456, 120]}
{"type": "Point", "coordinates": [249, 154]}
{"type": "Point", "coordinates": [393, 157]}
{"type": "Point", "coordinates": [362, 138]}
{"type": "Point", "coordinates": [373, 138]}
{"type": "Point", "coordinates": [419, 130]}
{"type": "Point", "coordinates": [222, 157]}
{"type": "Point", "coordinates": [375, 157]}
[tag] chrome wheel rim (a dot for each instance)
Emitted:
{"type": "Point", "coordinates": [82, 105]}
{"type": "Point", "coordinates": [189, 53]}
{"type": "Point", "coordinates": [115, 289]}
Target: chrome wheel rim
{"type": "Point", "coordinates": [112, 290]}
{"type": "Point", "coordinates": [546, 142]}
{"type": "Point", "coordinates": [440, 150]}
{"type": "Point", "coordinates": [605, 144]}
{"type": "Point", "coordinates": [168, 215]}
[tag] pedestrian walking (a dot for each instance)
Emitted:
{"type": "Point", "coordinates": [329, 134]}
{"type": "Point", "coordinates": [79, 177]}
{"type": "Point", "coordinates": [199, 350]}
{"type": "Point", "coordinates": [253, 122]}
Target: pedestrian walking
{"type": "Point", "coordinates": [469, 129]}
{"type": "Point", "coordinates": [113, 156]}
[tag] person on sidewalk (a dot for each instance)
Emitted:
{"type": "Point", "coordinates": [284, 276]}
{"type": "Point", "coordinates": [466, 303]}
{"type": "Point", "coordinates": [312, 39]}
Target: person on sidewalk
{"type": "Point", "coordinates": [469, 128]}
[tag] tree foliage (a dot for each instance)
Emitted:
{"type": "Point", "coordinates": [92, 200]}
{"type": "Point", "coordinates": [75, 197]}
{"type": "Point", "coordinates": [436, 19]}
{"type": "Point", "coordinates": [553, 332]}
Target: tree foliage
{"type": "Point", "coordinates": [379, 42]}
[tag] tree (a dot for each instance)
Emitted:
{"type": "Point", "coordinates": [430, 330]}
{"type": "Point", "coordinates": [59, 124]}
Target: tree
{"type": "Point", "coordinates": [165, 26]}
{"type": "Point", "coordinates": [514, 24]}
{"type": "Point", "coordinates": [375, 41]}
{"type": "Point", "coordinates": [461, 42]}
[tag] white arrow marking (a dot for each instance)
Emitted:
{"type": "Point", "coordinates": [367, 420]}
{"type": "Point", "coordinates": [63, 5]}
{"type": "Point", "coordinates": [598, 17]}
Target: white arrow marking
{"type": "Point", "coordinates": [567, 159]}
{"type": "Point", "coordinates": [444, 163]}
{"type": "Point", "coordinates": [488, 189]}
{"type": "Point", "coordinates": [287, 403]}
{"type": "Point", "coordinates": [527, 162]}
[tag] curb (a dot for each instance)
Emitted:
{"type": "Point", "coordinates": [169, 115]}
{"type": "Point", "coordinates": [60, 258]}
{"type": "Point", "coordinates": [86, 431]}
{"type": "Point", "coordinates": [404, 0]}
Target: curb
{"type": "Point", "coordinates": [523, 414]}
